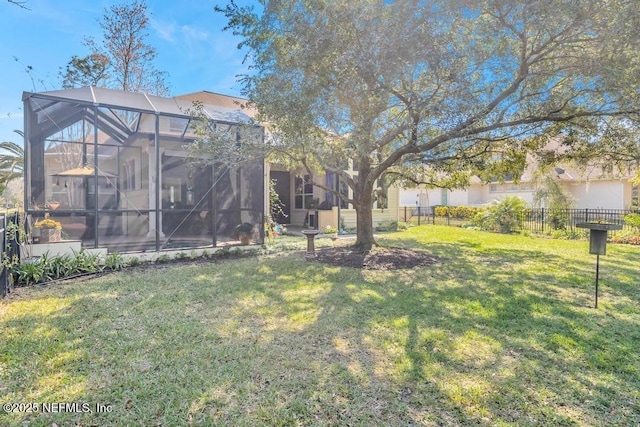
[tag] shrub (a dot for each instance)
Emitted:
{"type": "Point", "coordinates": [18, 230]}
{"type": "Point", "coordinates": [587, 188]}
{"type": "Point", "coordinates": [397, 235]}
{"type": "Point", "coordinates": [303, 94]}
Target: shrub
{"type": "Point", "coordinates": [463, 212]}
{"type": "Point", "coordinates": [633, 220]}
{"type": "Point", "coordinates": [402, 226]}
{"type": "Point", "coordinates": [441, 210]}
{"type": "Point", "coordinates": [45, 268]}
{"type": "Point", "coordinates": [387, 226]}
{"type": "Point", "coordinates": [630, 238]}
{"type": "Point", "coordinates": [114, 261]}
{"type": "Point", "coordinates": [181, 255]}
{"type": "Point", "coordinates": [163, 258]}
{"type": "Point", "coordinates": [503, 215]}
{"type": "Point", "coordinates": [458, 212]}
{"type": "Point", "coordinates": [567, 234]}
{"type": "Point", "coordinates": [86, 262]}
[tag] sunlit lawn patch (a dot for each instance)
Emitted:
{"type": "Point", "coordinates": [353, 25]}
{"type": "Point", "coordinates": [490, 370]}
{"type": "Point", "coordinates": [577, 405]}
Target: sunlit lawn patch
{"type": "Point", "coordinates": [501, 332]}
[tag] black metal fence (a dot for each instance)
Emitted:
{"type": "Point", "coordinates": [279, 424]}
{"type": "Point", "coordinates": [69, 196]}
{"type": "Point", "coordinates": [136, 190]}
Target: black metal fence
{"type": "Point", "coordinates": [10, 249]}
{"type": "Point", "coordinates": [540, 220]}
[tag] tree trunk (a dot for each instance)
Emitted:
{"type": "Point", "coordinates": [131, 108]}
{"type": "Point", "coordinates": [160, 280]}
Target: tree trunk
{"type": "Point", "coordinates": [364, 217]}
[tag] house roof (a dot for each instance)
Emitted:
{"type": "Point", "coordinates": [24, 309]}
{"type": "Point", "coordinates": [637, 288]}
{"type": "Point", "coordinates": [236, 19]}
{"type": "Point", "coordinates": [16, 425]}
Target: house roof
{"type": "Point", "coordinates": [221, 100]}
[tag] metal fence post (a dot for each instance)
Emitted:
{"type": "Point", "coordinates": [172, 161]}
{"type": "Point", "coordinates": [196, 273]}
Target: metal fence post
{"type": "Point", "coordinates": [419, 215]}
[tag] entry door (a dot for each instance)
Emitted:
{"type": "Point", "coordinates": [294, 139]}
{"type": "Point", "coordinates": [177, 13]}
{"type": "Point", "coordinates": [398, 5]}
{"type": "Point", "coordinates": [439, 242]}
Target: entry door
{"type": "Point", "coordinates": [283, 188]}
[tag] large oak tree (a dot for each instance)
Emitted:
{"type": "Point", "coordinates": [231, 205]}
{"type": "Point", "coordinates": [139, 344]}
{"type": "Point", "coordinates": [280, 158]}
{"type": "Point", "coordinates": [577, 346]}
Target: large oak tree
{"type": "Point", "coordinates": [428, 89]}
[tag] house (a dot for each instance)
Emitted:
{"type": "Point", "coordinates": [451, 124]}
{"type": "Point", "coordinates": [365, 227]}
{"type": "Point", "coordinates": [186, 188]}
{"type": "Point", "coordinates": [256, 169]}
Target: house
{"type": "Point", "coordinates": [591, 188]}
{"type": "Point", "coordinates": [305, 205]}
{"type": "Point", "coordinates": [112, 167]}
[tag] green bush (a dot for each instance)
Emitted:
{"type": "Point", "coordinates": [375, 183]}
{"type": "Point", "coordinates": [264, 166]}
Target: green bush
{"type": "Point", "coordinates": [114, 261]}
{"type": "Point", "coordinates": [504, 216]}
{"type": "Point", "coordinates": [567, 234]}
{"type": "Point", "coordinates": [387, 226]}
{"type": "Point", "coordinates": [463, 212]}
{"type": "Point", "coordinates": [458, 212]}
{"type": "Point", "coordinates": [628, 237]}
{"type": "Point", "coordinates": [45, 268]}
{"type": "Point", "coordinates": [441, 210]}
{"type": "Point", "coordinates": [633, 220]}
{"type": "Point", "coordinates": [163, 258]}
{"type": "Point", "coordinates": [402, 226]}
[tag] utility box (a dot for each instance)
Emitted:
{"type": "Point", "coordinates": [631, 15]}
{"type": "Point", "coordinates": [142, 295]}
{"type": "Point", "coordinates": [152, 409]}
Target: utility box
{"type": "Point", "coordinates": [598, 242]}
{"type": "Point", "coordinates": [598, 236]}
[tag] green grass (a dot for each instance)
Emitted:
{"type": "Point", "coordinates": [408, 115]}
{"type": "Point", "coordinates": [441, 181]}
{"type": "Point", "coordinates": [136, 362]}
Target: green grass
{"type": "Point", "coordinates": [501, 333]}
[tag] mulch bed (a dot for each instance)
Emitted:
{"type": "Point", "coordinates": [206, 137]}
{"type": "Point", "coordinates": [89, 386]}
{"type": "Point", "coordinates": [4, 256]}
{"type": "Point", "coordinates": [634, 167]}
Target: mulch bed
{"type": "Point", "coordinates": [377, 258]}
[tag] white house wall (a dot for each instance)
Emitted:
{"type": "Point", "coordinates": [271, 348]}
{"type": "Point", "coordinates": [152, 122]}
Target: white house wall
{"type": "Point", "coordinates": [457, 197]}
{"type": "Point", "coordinates": [599, 194]}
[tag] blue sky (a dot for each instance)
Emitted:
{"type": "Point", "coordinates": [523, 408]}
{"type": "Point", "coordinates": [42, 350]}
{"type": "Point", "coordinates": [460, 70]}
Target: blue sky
{"type": "Point", "coordinates": [187, 35]}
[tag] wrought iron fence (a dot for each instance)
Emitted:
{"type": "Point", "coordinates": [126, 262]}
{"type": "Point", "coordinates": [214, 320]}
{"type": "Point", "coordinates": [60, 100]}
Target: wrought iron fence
{"type": "Point", "coordinates": [539, 220]}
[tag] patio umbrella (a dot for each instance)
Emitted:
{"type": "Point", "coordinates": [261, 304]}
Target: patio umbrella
{"type": "Point", "coordinates": [84, 171]}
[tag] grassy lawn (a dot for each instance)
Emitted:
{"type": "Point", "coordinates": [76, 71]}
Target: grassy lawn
{"type": "Point", "coordinates": [500, 333]}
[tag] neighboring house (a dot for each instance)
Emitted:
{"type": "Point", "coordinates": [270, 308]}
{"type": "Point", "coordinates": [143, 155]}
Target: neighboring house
{"type": "Point", "coordinates": [112, 167]}
{"type": "Point", "coordinates": [302, 202]}
{"type": "Point", "coordinates": [591, 189]}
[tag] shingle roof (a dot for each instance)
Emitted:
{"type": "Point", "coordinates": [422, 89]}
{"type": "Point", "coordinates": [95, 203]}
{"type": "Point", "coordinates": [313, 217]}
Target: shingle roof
{"type": "Point", "coordinates": [221, 100]}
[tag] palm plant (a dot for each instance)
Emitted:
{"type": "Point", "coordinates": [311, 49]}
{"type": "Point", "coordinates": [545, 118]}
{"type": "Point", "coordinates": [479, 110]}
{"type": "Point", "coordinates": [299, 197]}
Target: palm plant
{"type": "Point", "coordinates": [11, 160]}
{"type": "Point", "coordinates": [504, 215]}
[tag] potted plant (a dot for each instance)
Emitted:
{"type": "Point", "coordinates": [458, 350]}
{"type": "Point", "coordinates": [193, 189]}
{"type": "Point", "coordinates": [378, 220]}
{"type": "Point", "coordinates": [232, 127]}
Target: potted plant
{"type": "Point", "coordinates": [50, 230]}
{"type": "Point", "coordinates": [244, 233]}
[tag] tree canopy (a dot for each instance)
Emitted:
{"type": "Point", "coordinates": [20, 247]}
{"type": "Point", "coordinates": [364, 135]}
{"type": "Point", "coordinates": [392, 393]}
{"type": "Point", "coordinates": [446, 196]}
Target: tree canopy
{"type": "Point", "coordinates": [432, 91]}
{"type": "Point", "coordinates": [122, 59]}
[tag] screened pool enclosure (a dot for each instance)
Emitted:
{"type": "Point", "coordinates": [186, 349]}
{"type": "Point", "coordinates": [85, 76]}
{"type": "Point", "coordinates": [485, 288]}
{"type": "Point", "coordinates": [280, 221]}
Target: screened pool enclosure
{"type": "Point", "coordinates": [112, 167]}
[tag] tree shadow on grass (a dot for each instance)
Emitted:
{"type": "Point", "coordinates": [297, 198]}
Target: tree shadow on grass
{"type": "Point", "coordinates": [281, 341]}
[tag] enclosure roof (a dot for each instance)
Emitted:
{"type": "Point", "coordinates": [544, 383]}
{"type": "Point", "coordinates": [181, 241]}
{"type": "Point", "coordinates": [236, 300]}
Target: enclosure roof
{"type": "Point", "coordinates": [111, 98]}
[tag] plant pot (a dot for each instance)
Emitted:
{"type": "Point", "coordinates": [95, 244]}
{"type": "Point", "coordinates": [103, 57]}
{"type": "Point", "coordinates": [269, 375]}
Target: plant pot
{"type": "Point", "coordinates": [50, 235]}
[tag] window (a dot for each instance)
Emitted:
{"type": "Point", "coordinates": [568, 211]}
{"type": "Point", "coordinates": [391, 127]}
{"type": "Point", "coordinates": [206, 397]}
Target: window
{"type": "Point", "coordinates": [494, 188]}
{"type": "Point", "coordinates": [355, 165]}
{"type": "Point", "coordinates": [129, 175]}
{"type": "Point", "coordinates": [177, 124]}
{"type": "Point", "coordinates": [304, 193]}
